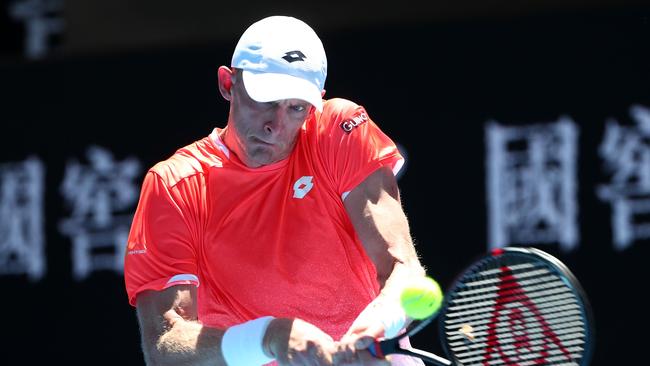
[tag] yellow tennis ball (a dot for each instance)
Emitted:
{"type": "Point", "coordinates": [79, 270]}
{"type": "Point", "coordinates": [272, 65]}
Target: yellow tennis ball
{"type": "Point", "coordinates": [421, 298]}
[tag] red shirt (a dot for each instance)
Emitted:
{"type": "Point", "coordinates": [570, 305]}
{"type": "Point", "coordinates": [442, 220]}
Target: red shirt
{"type": "Point", "coordinates": [274, 240]}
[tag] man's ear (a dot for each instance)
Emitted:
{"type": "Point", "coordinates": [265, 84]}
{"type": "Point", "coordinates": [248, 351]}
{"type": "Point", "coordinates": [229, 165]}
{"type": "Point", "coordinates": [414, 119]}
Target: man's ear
{"type": "Point", "coordinates": [225, 75]}
{"type": "Point", "coordinates": [322, 93]}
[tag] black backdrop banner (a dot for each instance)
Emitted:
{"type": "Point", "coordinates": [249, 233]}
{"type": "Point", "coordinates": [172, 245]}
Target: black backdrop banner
{"type": "Point", "coordinates": [533, 131]}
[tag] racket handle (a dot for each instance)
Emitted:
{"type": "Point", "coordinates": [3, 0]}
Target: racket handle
{"type": "Point", "coordinates": [375, 350]}
{"type": "Point", "coordinates": [380, 349]}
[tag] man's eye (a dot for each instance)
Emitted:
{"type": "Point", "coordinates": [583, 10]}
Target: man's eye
{"type": "Point", "coordinates": [298, 108]}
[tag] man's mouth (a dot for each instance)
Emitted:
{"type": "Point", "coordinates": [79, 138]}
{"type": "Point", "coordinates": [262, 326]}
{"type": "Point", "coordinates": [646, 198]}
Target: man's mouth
{"type": "Point", "coordinates": [259, 141]}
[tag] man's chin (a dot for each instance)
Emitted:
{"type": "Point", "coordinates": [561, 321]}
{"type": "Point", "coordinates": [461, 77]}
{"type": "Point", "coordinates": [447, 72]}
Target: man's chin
{"type": "Point", "coordinates": [261, 157]}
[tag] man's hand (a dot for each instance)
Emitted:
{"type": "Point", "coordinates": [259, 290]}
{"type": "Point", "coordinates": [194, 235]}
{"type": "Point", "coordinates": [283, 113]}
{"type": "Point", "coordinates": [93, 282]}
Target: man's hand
{"type": "Point", "coordinates": [353, 351]}
{"type": "Point", "coordinates": [366, 324]}
{"type": "Point", "coordinates": [296, 342]}
{"type": "Point", "coordinates": [353, 347]}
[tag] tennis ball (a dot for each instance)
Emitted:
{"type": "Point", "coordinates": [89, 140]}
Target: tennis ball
{"type": "Point", "coordinates": [421, 298]}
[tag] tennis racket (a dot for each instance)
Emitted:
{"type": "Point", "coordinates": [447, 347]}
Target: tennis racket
{"type": "Point", "coordinates": [514, 306]}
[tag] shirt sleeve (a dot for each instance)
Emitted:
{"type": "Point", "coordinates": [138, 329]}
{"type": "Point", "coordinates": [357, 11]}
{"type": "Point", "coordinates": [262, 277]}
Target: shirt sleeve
{"type": "Point", "coordinates": [355, 146]}
{"type": "Point", "coordinates": [160, 251]}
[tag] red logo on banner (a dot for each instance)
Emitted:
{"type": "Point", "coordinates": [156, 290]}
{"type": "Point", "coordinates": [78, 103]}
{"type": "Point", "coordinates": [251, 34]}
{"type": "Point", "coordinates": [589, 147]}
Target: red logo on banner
{"type": "Point", "coordinates": [509, 293]}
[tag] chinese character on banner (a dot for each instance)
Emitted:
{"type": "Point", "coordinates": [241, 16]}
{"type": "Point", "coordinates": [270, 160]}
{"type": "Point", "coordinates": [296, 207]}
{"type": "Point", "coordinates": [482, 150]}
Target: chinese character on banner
{"type": "Point", "coordinates": [43, 20]}
{"type": "Point", "coordinates": [102, 197]}
{"type": "Point", "coordinates": [626, 154]}
{"type": "Point", "coordinates": [21, 219]}
{"type": "Point", "coordinates": [531, 184]}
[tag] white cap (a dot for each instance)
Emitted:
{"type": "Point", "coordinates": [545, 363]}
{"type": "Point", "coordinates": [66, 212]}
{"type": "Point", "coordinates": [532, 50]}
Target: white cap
{"type": "Point", "coordinates": [282, 58]}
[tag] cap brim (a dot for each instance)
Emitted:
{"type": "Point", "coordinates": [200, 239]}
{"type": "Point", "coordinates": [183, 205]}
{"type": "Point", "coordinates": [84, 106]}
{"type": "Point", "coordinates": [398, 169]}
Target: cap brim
{"type": "Point", "coordinates": [269, 87]}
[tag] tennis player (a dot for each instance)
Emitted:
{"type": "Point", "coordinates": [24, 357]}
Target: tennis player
{"type": "Point", "coordinates": [279, 238]}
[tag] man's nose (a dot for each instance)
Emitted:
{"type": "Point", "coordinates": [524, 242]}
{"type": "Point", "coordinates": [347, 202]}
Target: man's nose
{"type": "Point", "coordinates": [275, 119]}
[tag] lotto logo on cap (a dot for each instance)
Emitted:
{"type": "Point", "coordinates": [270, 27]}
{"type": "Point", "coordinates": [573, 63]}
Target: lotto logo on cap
{"type": "Point", "coordinates": [282, 58]}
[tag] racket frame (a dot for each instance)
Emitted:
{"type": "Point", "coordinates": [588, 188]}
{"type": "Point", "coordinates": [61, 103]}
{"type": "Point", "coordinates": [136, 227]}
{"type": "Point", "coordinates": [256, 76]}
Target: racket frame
{"type": "Point", "coordinates": [565, 274]}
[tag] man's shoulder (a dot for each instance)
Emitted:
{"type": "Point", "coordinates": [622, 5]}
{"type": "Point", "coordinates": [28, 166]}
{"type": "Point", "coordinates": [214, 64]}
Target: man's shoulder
{"type": "Point", "coordinates": [189, 161]}
{"type": "Point", "coordinates": [339, 107]}
{"type": "Point", "coordinates": [339, 113]}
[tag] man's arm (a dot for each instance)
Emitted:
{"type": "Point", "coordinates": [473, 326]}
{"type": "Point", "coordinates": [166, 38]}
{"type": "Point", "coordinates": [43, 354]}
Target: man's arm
{"type": "Point", "coordinates": [376, 213]}
{"type": "Point", "coordinates": [172, 335]}
{"type": "Point", "coordinates": [170, 331]}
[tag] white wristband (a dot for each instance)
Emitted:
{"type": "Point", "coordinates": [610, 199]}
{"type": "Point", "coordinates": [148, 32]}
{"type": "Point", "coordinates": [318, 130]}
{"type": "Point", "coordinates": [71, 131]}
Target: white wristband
{"type": "Point", "coordinates": [393, 318]}
{"type": "Point", "coordinates": [242, 343]}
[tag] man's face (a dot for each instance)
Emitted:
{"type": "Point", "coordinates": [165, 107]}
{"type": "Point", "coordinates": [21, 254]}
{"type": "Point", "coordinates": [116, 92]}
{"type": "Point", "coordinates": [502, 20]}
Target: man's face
{"type": "Point", "coordinates": [264, 132]}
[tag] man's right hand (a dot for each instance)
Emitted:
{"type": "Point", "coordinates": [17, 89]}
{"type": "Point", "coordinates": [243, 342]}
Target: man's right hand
{"type": "Point", "coordinates": [296, 342]}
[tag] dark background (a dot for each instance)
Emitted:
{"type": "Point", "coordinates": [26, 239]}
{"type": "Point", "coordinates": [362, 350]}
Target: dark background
{"type": "Point", "coordinates": [140, 80]}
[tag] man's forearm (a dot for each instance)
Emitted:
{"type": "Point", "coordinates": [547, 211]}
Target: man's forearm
{"type": "Point", "coordinates": [187, 342]}
{"type": "Point", "coordinates": [403, 272]}
{"type": "Point", "coordinates": [384, 315]}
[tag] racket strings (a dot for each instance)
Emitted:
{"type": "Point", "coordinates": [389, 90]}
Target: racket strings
{"type": "Point", "coordinates": [560, 326]}
{"type": "Point", "coordinates": [515, 312]}
{"type": "Point", "coordinates": [553, 295]}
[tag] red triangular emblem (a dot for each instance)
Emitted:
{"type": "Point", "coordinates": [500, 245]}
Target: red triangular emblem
{"type": "Point", "coordinates": [508, 294]}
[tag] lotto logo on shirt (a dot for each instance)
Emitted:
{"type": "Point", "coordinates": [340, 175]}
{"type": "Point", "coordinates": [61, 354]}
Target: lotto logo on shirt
{"type": "Point", "coordinates": [349, 124]}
